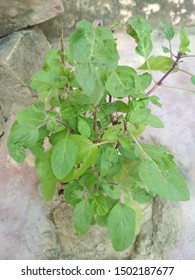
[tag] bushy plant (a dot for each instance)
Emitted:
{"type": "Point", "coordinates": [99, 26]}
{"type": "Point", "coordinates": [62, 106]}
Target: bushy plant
{"type": "Point", "coordinates": [84, 129]}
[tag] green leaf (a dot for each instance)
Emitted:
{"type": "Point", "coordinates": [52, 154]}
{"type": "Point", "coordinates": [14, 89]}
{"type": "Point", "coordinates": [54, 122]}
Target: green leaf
{"type": "Point", "coordinates": [73, 193]}
{"type": "Point", "coordinates": [121, 106]}
{"type": "Point", "coordinates": [154, 121]}
{"type": "Point", "coordinates": [21, 137]}
{"type": "Point", "coordinates": [90, 43]}
{"type": "Point", "coordinates": [155, 100]}
{"type": "Point", "coordinates": [162, 177]}
{"type": "Point", "coordinates": [157, 63]}
{"type": "Point", "coordinates": [145, 80]}
{"type": "Point", "coordinates": [30, 117]}
{"type": "Point", "coordinates": [140, 115]}
{"type": "Point", "coordinates": [100, 205]}
{"type": "Point", "coordinates": [111, 191]}
{"type": "Point", "coordinates": [165, 49]}
{"type": "Point", "coordinates": [87, 156]}
{"type": "Point", "coordinates": [184, 41]}
{"type": "Point", "coordinates": [121, 226]}
{"type": "Point", "coordinates": [46, 175]}
{"type": "Point", "coordinates": [84, 128]}
{"type": "Point", "coordinates": [95, 53]}
{"type": "Point", "coordinates": [141, 195]}
{"type": "Point", "coordinates": [82, 217]}
{"type": "Point", "coordinates": [56, 137]}
{"type": "Point", "coordinates": [122, 82]}
{"type": "Point", "coordinates": [138, 216]}
{"type": "Point", "coordinates": [140, 30]}
{"type": "Point", "coordinates": [168, 30]}
{"type": "Point", "coordinates": [193, 80]}
{"type": "Point", "coordinates": [109, 159]}
{"type": "Point", "coordinates": [64, 157]}
{"type": "Point", "coordinates": [37, 150]}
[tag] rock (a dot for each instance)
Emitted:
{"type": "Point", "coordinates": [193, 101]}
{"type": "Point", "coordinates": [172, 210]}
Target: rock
{"type": "Point", "coordinates": [25, 230]}
{"type": "Point", "coordinates": [159, 233]}
{"type": "Point", "coordinates": [18, 14]}
{"type": "Point", "coordinates": [21, 54]}
{"type": "Point", "coordinates": [95, 245]}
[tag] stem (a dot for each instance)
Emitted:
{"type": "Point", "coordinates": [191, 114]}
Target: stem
{"type": "Point", "coordinates": [184, 56]}
{"type": "Point", "coordinates": [95, 127]}
{"type": "Point", "coordinates": [178, 88]}
{"type": "Point", "coordinates": [62, 123]}
{"type": "Point", "coordinates": [165, 75]}
{"type": "Point", "coordinates": [185, 72]}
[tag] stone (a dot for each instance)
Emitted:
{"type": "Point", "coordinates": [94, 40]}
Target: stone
{"type": "Point", "coordinates": [26, 232]}
{"type": "Point", "coordinates": [21, 54]}
{"type": "Point", "coordinates": [18, 14]}
{"type": "Point", "coordinates": [180, 13]}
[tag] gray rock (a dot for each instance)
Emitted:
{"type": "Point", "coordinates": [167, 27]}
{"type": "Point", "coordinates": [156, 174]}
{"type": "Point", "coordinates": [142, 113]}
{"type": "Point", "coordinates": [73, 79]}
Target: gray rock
{"type": "Point", "coordinates": [21, 54]}
{"type": "Point", "coordinates": [18, 14]}
{"type": "Point", "coordinates": [26, 232]}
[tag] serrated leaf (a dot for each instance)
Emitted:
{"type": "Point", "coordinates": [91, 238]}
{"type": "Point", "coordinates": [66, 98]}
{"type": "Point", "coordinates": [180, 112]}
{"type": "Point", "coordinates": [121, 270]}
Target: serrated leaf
{"type": "Point", "coordinates": [122, 82]}
{"type": "Point", "coordinates": [193, 80]}
{"type": "Point", "coordinates": [121, 226]}
{"type": "Point", "coordinates": [157, 63]}
{"type": "Point", "coordinates": [64, 157]}
{"type": "Point", "coordinates": [140, 115]}
{"type": "Point", "coordinates": [162, 177]}
{"type": "Point", "coordinates": [100, 205]}
{"type": "Point", "coordinates": [168, 30]}
{"type": "Point", "coordinates": [141, 195]}
{"type": "Point", "coordinates": [184, 41]}
{"type": "Point", "coordinates": [154, 121]}
{"type": "Point", "coordinates": [21, 137]}
{"type": "Point", "coordinates": [84, 128]}
{"type": "Point", "coordinates": [87, 156]}
{"type": "Point", "coordinates": [140, 30]}
{"type": "Point", "coordinates": [82, 217]}
{"type": "Point", "coordinates": [46, 175]}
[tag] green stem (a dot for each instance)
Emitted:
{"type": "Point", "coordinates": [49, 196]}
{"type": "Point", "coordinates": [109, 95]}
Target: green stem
{"type": "Point", "coordinates": [185, 72]}
{"type": "Point", "coordinates": [178, 88]}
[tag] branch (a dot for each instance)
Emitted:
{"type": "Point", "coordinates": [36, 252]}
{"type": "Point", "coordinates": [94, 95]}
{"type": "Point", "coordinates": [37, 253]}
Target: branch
{"type": "Point", "coordinates": [165, 75]}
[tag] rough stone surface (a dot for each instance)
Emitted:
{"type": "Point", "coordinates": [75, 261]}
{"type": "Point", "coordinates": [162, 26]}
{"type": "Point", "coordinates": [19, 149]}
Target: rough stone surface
{"type": "Point", "coordinates": [179, 12]}
{"type": "Point", "coordinates": [95, 245]}
{"type": "Point", "coordinates": [18, 14]}
{"type": "Point", "coordinates": [21, 54]}
{"type": "Point", "coordinates": [25, 230]}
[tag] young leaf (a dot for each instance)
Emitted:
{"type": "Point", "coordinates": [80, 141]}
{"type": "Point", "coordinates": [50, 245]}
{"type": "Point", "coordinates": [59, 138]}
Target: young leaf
{"type": "Point", "coordinates": [46, 175]}
{"type": "Point", "coordinates": [165, 49]}
{"type": "Point", "coordinates": [100, 205]}
{"type": "Point", "coordinates": [121, 226]}
{"type": "Point", "coordinates": [168, 30]}
{"type": "Point", "coordinates": [140, 30]}
{"type": "Point", "coordinates": [87, 156]}
{"type": "Point", "coordinates": [184, 41]}
{"type": "Point", "coordinates": [154, 121]}
{"type": "Point", "coordinates": [122, 82]}
{"type": "Point", "coordinates": [157, 63]}
{"type": "Point", "coordinates": [145, 80]}
{"type": "Point", "coordinates": [162, 177]}
{"type": "Point", "coordinates": [109, 158]}
{"type": "Point", "coordinates": [84, 128]}
{"type": "Point", "coordinates": [111, 191]}
{"type": "Point", "coordinates": [64, 157]}
{"type": "Point", "coordinates": [82, 217]}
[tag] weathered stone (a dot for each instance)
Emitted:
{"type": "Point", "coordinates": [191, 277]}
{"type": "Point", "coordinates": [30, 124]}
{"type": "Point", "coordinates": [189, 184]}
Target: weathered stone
{"type": "Point", "coordinates": [95, 245]}
{"type": "Point", "coordinates": [25, 230]}
{"type": "Point", "coordinates": [18, 14]}
{"type": "Point", "coordinates": [156, 11]}
{"type": "Point", "coordinates": [21, 54]}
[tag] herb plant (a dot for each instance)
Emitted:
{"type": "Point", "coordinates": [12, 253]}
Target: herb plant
{"type": "Point", "coordinates": [84, 129]}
